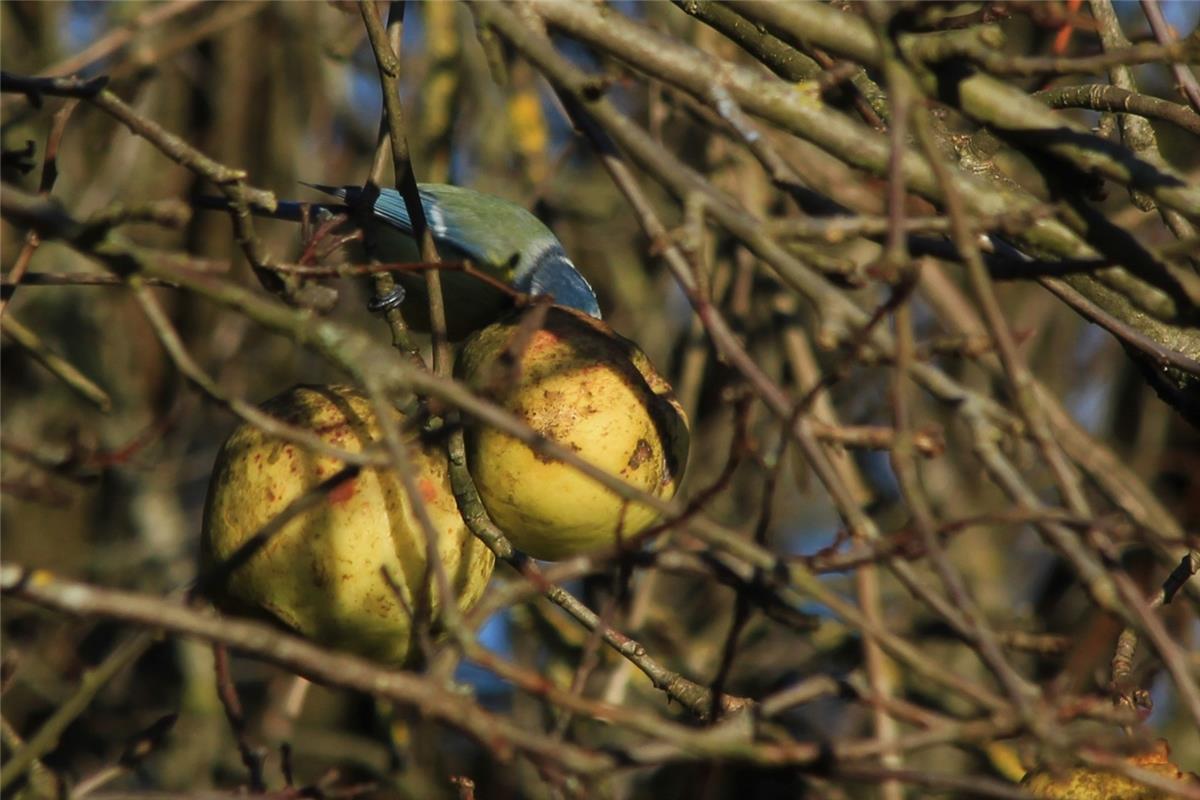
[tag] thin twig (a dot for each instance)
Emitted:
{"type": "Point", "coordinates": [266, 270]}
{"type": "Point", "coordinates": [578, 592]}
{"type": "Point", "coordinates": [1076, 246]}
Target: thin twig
{"type": "Point", "coordinates": [1103, 97]}
{"type": "Point", "coordinates": [90, 684]}
{"type": "Point", "coordinates": [1185, 80]}
{"type": "Point", "coordinates": [62, 369]}
{"type": "Point", "coordinates": [45, 185]}
{"type": "Point", "coordinates": [499, 735]}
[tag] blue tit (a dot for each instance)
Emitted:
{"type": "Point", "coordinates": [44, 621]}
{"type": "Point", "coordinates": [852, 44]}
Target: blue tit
{"type": "Point", "coordinates": [504, 239]}
{"type": "Point", "coordinates": [501, 238]}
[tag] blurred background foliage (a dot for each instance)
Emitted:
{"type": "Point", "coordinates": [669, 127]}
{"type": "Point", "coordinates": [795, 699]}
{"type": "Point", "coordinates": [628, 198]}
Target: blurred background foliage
{"type": "Point", "coordinates": [289, 92]}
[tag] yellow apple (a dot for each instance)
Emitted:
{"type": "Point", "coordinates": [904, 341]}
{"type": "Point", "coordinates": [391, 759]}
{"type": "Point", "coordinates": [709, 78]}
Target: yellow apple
{"type": "Point", "coordinates": [322, 574]}
{"type": "Point", "coordinates": [583, 386]}
{"type": "Point", "coordinates": [1089, 783]}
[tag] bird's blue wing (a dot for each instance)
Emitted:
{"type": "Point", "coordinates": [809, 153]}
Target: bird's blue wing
{"type": "Point", "coordinates": [449, 217]}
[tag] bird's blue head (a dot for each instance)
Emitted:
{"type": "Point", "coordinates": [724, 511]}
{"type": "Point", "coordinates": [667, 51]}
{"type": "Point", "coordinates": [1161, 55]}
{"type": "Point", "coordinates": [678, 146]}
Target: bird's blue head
{"type": "Point", "coordinates": [547, 270]}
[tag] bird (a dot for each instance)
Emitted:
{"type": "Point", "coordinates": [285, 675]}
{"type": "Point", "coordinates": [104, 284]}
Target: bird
{"type": "Point", "coordinates": [501, 238]}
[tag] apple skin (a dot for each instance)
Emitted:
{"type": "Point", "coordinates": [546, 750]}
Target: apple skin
{"type": "Point", "coordinates": [1089, 783]}
{"type": "Point", "coordinates": [320, 575]}
{"type": "Point", "coordinates": [593, 391]}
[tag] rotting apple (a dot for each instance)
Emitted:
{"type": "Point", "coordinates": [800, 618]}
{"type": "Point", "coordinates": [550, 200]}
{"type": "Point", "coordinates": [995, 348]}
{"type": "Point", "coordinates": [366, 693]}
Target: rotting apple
{"type": "Point", "coordinates": [349, 571]}
{"type": "Point", "coordinates": [1090, 783]}
{"type": "Point", "coordinates": [576, 382]}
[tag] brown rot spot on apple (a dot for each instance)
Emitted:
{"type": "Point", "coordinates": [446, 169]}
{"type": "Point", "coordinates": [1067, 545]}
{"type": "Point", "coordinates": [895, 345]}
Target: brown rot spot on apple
{"type": "Point", "coordinates": [641, 453]}
{"type": "Point", "coordinates": [320, 577]}
{"type": "Point", "coordinates": [343, 491]}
